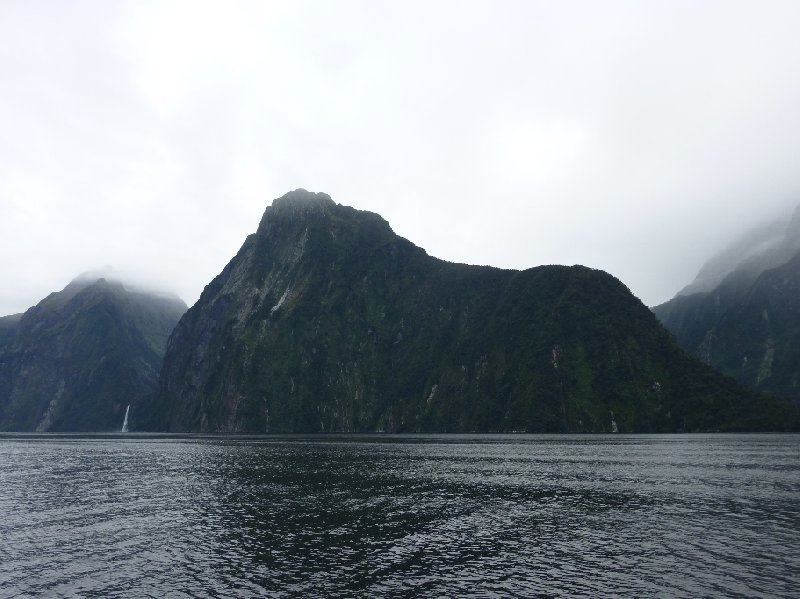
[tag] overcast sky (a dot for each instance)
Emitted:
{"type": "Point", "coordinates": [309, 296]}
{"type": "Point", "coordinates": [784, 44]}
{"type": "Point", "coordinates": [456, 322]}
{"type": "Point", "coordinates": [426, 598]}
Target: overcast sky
{"type": "Point", "coordinates": [638, 137]}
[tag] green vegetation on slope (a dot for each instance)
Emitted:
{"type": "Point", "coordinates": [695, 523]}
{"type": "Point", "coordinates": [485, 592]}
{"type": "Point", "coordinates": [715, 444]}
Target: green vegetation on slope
{"type": "Point", "coordinates": [748, 327]}
{"type": "Point", "coordinates": [76, 360]}
{"type": "Point", "coordinates": [327, 321]}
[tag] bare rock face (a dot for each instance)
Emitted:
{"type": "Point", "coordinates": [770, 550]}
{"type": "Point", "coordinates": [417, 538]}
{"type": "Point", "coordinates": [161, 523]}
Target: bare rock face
{"type": "Point", "coordinates": [326, 321]}
{"type": "Point", "coordinates": [76, 360]}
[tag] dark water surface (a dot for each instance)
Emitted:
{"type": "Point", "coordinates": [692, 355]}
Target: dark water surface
{"type": "Point", "coordinates": [139, 516]}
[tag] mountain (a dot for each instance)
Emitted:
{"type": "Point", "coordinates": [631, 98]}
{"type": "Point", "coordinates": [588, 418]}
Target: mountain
{"type": "Point", "coordinates": [748, 324]}
{"type": "Point", "coordinates": [326, 320]}
{"type": "Point", "coordinates": [762, 248]}
{"type": "Point", "coordinates": [77, 359]}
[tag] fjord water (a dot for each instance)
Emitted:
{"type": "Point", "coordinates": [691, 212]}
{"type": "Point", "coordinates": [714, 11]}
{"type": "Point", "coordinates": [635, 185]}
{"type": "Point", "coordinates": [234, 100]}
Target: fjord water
{"type": "Point", "coordinates": [484, 515]}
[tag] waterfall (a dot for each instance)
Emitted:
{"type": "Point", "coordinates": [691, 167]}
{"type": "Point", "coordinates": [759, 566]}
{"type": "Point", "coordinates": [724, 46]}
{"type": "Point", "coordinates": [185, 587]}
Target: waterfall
{"type": "Point", "coordinates": [125, 422]}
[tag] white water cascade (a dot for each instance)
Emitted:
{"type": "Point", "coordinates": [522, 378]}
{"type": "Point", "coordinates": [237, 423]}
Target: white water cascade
{"type": "Point", "coordinates": [125, 422]}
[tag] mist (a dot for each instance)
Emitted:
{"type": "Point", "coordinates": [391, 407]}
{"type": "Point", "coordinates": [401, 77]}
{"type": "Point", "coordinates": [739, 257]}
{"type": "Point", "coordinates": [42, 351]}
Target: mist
{"type": "Point", "coordinates": [766, 245]}
{"type": "Point", "coordinates": [637, 137]}
{"type": "Point", "coordinates": [141, 282]}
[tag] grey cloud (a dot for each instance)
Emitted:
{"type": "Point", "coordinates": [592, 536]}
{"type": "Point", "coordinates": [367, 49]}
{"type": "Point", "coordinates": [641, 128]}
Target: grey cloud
{"type": "Point", "coordinates": [638, 137]}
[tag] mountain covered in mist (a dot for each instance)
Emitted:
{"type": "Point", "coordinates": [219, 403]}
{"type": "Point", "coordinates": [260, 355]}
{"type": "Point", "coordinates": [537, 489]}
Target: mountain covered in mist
{"type": "Point", "coordinates": [762, 248]}
{"type": "Point", "coordinates": [742, 314]}
{"type": "Point", "coordinates": [326, 320]}
{"type": "Point", "coordinates": [77, 359]}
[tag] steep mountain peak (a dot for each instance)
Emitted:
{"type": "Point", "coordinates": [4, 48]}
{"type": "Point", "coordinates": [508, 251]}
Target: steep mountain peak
{"type": "Point", "coordinates": [99, 285]}
{"type": "Point", "coordinates": [82, 285]}
{"type": "Point", "coordinates": [326, 320]}
{"type": "Point", "coordinates": [297, 205]}
{"type": "Point", "coordinates": [303, 199]}
{"type": "Point", "coordinates": [312, 225]}
{"type": "Point", "coordinates": [106, 272]}
{"type": "Point", "coordinates": [81, 356]}
{"type": "Point", "coordinates": [110, 280]}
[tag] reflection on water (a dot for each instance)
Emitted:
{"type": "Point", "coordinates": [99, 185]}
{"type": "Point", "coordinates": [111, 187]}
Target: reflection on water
{"type": "Point", "coordinates": [400, 516]}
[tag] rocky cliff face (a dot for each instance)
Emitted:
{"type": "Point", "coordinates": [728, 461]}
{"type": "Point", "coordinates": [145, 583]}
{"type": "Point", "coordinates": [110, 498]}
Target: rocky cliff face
{"type": "Point", "coordinates": [76, 360]}
{"type": "Point", "coordinates": [327, 321]}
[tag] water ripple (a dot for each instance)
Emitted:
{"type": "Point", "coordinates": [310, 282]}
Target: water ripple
{"type": "Point", "coordinates": [674, 516]}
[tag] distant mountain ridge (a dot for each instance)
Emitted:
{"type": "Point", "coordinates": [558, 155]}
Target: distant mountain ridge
{"type": "Point", "coordinates": [764, 247]}
{"type": "Point", "coordinates": [326, 321]}
{"type": "Point", "coordinates": [747, 325]}
{"type": "Point", "coordinates": [76, 360]}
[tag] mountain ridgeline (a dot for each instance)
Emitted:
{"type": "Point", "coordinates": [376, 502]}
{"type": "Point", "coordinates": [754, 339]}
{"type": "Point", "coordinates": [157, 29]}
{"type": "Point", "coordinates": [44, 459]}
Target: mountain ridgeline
{"type": "Point", "coordinates": [77, 359]}
{"type": "Point", "coordinates": [326, 321]}
{"type": "Point", "coordinates": [746, 323]}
